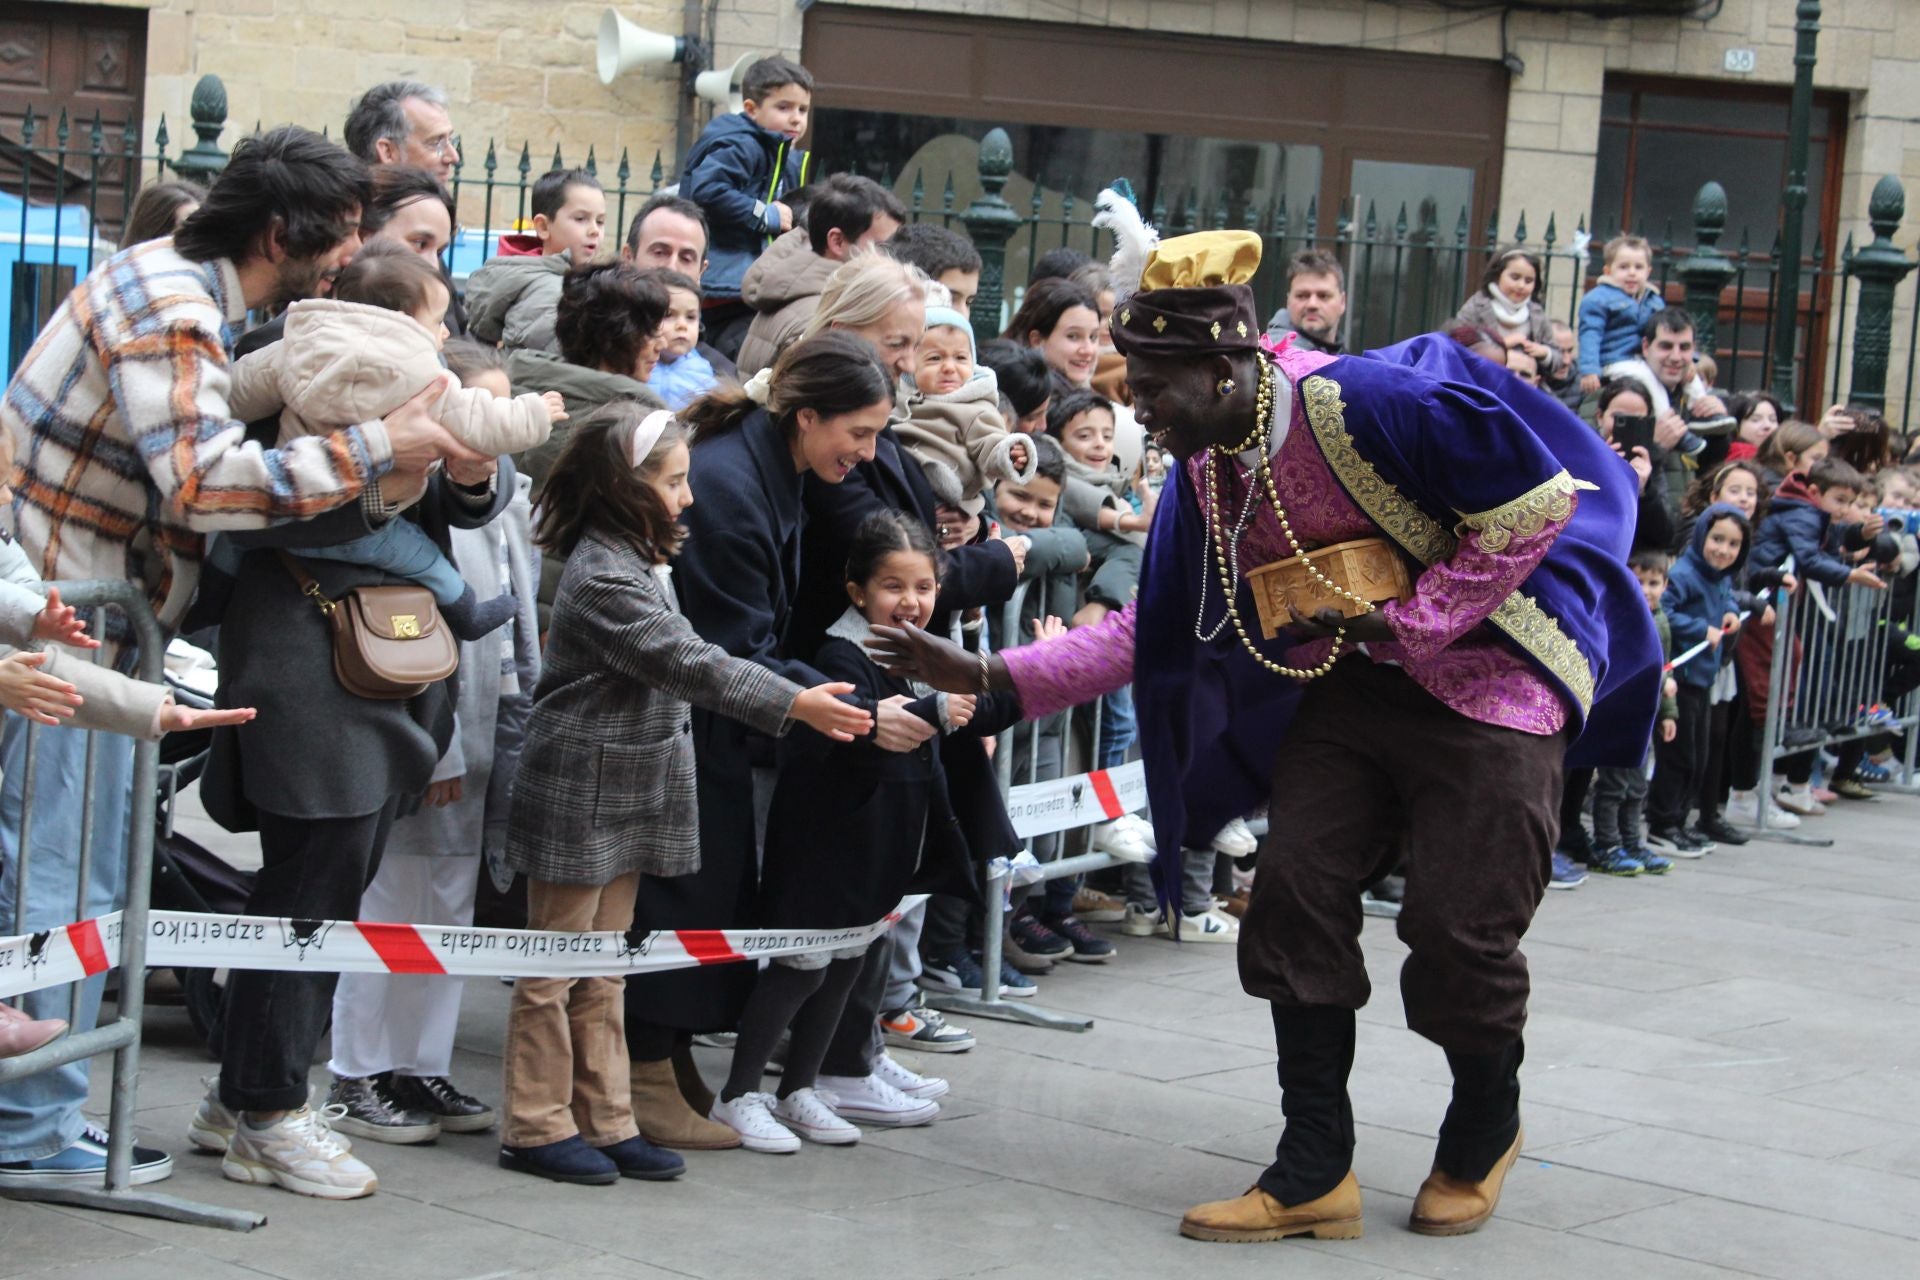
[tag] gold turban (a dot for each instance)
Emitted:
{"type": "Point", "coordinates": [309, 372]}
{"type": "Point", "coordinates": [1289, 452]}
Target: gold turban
{"type": "Point", "coordinates": [1203, 260]}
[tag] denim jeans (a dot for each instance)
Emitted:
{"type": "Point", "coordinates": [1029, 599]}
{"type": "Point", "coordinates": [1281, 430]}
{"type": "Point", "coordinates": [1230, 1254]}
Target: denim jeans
{"type": "Point", "coordinates": [40, 1115]}
{"type": "Point", "coordinates": [1117, 728]}
{"type": "Point", "coordinates": [403, 549]}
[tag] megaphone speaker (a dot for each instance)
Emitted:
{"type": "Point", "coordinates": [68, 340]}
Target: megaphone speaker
{"type": "Point", "coordinates": [625, 45]}
{"type": "Point", "coordinates": [721, 86]}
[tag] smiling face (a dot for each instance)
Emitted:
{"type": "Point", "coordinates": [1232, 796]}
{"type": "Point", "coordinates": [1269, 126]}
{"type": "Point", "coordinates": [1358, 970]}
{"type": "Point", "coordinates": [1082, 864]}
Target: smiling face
{"type": "Point", "coordinates": [1517, 280]}
{"type": "Point", "coordinates": [831, 447]}
{"type": "Point", "coordinates": [1738, 488]}
{"type": "Point", "coordinates": [1088, 437]}
{"type": "Point", "coordinates": [1026, 507]}
{"type": "Point", "coordinates": [1670, 355]}
{"type": "Point", "coordinates": [896, 335]}
{"type": "Point", "coordinates": [577, 227]}
{"type": "Point", "coordinates": [1761, 421]}
{"type": "Point", "coordinates": [1178, 404]}
{"type": "Point", "coordinates": [944, 361]}
{"type": "Point", "coordinates": [1722, 546]}
{"type": "Point", "coordinates": [681, 329]}
{"type": "Point", "coordinates": [899, 592]}
{"type": "Point", "coordinates": [1073, 348]}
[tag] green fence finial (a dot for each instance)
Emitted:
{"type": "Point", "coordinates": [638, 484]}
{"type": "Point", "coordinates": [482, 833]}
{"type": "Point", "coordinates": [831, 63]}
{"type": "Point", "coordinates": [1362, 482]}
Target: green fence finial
{"type": "Point", "coordinates": [208, 107]}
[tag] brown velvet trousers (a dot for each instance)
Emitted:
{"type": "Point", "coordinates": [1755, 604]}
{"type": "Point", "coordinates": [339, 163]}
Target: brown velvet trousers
{"type": "Point", "coordinates": [1375, 769]}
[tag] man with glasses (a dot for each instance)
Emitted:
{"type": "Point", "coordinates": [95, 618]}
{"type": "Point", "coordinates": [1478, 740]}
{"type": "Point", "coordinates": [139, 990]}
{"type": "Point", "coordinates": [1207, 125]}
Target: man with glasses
{"type": "Point", "coordinates": [405, 122]}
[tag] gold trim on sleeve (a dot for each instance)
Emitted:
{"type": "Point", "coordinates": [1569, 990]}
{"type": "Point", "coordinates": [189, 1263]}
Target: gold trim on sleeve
{"type": "Point", "coordinates": [1524, 516]}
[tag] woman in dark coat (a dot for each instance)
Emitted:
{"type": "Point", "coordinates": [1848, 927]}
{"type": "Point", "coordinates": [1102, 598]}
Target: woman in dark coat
{"type": "Point", "coordinates": [818, 413]}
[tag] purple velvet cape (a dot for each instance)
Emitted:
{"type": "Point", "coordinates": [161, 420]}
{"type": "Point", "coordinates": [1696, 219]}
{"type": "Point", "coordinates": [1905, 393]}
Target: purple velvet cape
{"type": "Point", "coordinates": [1452, 434]}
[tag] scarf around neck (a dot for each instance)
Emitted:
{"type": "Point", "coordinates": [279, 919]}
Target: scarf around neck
{"type": "Point", "coordinates": [1511, 315]}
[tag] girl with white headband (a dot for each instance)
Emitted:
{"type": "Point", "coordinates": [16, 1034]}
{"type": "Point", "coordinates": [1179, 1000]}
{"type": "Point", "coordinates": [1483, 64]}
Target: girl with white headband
{"type": "Point", "coordinates": [606, 785]}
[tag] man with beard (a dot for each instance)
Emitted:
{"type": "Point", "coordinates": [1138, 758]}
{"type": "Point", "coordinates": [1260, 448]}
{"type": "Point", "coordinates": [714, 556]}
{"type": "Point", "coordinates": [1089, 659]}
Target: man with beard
{"type": "Point", "coordinates": [128, 457]}
{"type": "Point", "coordinates": [1316, 303]}
{"type": "Point", "coordinates": [1429, 720]}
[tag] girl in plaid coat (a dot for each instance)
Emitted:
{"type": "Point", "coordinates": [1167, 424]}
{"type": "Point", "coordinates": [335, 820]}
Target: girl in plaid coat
{"type": "Point", "coordinates": [606, 790]}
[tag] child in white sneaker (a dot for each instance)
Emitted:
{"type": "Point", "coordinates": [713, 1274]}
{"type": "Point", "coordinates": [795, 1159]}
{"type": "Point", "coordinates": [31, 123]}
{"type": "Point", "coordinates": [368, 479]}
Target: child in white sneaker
{"type": "Point", "coordinates": [852, 826]}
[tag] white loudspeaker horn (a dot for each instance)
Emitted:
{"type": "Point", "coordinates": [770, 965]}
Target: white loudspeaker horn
{"type": "Point", "coordinates": [625, 45]}
{"type": "Point", "coordinates": [721, 86]}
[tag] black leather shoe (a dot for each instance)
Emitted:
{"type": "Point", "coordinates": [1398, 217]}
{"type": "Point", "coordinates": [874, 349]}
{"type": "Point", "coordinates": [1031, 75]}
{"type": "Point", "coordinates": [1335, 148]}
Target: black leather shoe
{"type": "Point", "coordinates": [1720, 831]}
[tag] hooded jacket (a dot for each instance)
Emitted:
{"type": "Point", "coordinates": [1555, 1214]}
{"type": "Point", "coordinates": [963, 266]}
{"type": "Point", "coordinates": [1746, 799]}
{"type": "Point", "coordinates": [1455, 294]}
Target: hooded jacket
{"type": "Point", "coordinates": [344, 362]}
{"type": "Point", "coordinates": [964, 430]}
{"type": "Point", "coordinates": [734, 173]}
{"type": "Point", "coordinates": [1796, 526]}
{"type": "Point", "coordinates": [1700, 596]}
{"type": "Point", "coordinates": [1610, 320]}
{"type": "Point", "coordinates": [512, 300]}
{"type": "Point", "coordinates": [784, 286]}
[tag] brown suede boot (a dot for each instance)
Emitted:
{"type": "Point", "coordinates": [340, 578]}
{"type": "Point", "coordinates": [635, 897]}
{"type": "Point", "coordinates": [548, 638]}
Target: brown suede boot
{"type": "Point", "coordinates": [664, 1117]}
{"type": "Point", "coordinates": [1257, 1216]}
{"type": "Point", "coordinates": [686, 1074]}
{"type": "Point", "coordinates": [1447, 1206]}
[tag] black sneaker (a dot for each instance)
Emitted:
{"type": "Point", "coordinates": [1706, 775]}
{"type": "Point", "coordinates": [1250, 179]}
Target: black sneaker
{"type": "Point", "coordinates": [1088, 946]}
{"type": "Point", "coordinates": [435, 1096]}
{"type": "Point", "coordinates": [1674, 842]}
{"type": "Point", "coordinates": [1035, 938]}
{"type": "Point", "coordinates": [1577, 844]}
{"type": "Point", "coordinates": [1699, 839]}
{"type": "Point", "coordinates": [371, 1113]}
{"type": "Point", "coordinates": [1720, 831]}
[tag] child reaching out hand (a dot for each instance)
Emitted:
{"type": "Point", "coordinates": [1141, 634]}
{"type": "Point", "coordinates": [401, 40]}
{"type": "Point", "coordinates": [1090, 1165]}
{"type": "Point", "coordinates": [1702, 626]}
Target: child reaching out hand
{"type": "Point", "coordinates": [606, 786]}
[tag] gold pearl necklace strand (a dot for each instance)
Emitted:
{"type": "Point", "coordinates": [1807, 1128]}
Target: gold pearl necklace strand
{"type": "Point", "coordinates": [1226, 551]}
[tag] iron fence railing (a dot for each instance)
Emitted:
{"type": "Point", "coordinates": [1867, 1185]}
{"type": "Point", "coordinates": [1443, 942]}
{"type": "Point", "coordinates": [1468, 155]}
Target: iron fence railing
{"type": "Point", "coordinates": [65, 187]}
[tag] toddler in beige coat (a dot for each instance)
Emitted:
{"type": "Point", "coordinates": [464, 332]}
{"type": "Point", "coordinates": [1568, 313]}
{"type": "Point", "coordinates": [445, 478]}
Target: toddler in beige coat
{"type": "Point", "coordinates": [953, 413]}
{"type": "Point", "coordinates": [361, 354]}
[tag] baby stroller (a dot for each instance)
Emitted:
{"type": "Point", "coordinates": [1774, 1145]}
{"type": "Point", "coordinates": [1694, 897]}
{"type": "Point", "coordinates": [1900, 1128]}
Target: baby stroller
{"type": "Point", "coordinates": [186, 875]}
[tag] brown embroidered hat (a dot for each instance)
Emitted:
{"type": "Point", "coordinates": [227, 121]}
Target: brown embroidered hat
{"type": "Point", "coordinates": [1193, 297]}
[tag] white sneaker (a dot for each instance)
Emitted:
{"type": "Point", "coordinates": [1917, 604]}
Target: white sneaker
{"type": "Point", "coordinates": [914, 1085]}
{"type": "Point", "coordinates": [1141, 922]}
{"type": "Point", "coordinates": [1798, 800]}
{"type": "Point", "coordinates": [807, 1114]}
{"type": "Point", "coordinates": [871, 1100]}
{"type": "Point", "coordinates": [301, 1153]}
{"type": "Point", "coordinates": [1128, 837]}
{"type": "Point", "coordinates": [1743, 810]}
{"type": "Point", "coordinates": [1206, 926]}
{"type": "Point", "coordinates": [751, 1116]}
{"type": "Point", "coordinates": [213, 1124]}
{"type": "Point", "coordinates": [1235, 840]}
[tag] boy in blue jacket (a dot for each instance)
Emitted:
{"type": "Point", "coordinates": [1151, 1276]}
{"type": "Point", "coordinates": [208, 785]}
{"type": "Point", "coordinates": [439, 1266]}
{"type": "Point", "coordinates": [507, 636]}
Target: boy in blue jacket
{"type": "Point", "coordinates": [1700, 605]}
{"type": "Point", "coordinates": [1614, 310]}
{"type": "Point", "coordinates": [737, 172]}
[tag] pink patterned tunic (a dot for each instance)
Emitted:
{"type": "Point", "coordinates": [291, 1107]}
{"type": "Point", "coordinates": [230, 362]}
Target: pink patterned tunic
{"type": "Point", "coordinates": [1441, 643]}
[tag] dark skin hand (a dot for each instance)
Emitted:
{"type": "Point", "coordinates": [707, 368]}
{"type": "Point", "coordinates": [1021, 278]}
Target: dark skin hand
{"type": "Point", "coordinates": [921, 655]}
{"type": "Point", "coordinates": [1367, 628]}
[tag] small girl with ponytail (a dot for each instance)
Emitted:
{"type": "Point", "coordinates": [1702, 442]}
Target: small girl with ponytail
{"type": "Point", "coordinates": [606, 786]}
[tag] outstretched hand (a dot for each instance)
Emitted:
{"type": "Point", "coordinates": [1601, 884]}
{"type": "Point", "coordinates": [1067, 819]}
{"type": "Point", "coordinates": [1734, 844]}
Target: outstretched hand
{"type": "Point", "coordinates": [921, 655]}
{"type": "Point", "coordinates": [41, 698]}
{"type": "Point", "coordinates": [175, 718]}
{"type": "Point", "coordinates": [62, 624]}
{"type": "Point", "coordinates": [820, 708]}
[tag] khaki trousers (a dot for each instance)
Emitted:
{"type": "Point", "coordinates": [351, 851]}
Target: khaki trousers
{"type": "Point", "coordinates": [566, 1060]}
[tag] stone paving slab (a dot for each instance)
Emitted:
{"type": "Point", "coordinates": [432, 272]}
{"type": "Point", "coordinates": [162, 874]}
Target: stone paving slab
{"type": "Point", "coordinates": [1719, 1082]}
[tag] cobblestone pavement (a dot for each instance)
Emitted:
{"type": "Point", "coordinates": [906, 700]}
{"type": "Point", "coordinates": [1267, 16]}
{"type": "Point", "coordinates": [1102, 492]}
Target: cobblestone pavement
{"type": "Point", "coordinates": [1720, 1081]}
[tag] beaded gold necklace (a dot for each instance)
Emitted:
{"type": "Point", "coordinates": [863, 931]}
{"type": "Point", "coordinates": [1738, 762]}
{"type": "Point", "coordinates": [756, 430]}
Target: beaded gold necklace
{"type": "Point", "coordinates": [1226, 550]}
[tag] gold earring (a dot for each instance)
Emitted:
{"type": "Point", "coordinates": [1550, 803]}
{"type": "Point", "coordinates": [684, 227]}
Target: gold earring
{"type": "Point", "coordinates": [1228, 386]}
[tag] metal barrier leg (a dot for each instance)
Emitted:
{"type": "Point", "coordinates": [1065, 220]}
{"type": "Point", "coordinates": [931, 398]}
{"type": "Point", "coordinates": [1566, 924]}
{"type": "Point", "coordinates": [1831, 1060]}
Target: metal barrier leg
{"type": "Point", "coordinates": [1778, 681]}
{"type": "Point", "coordinates": [990, 1003]}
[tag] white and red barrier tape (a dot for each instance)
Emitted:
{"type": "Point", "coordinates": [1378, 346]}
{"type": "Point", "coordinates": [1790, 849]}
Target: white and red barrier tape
{"type": "Point", "coordinates": [1061, 804]}
{"type": "Point", "coordinates": [182, 938]}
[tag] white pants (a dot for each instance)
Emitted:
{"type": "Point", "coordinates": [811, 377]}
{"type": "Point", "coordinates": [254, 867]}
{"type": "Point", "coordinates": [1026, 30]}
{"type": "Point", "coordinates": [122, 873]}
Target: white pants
{"type": "Point", "coordinates": [404, 1022]}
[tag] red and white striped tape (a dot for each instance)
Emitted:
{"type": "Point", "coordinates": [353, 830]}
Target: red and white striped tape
{"type": "Point", "coordinates": [1061, 804]}
{"type": "Point", "coordinates": [189, 939]}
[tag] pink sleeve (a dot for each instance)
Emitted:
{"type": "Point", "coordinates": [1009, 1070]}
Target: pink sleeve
{"type": "Point", "coordinates": [1459, 593]}
{"type": "Point", "coordinates": [1079, 667]}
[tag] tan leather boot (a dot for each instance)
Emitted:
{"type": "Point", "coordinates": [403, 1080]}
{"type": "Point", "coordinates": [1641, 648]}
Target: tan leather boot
{"type": "Point", "coordinates": [1257, 1216]}
{"type": "Point", "coordinates": [1447, 1206]}
{"type": "Point", "coordinates": [686, 1073]}
{"type": "Point", "coordinates": [664, 1117]}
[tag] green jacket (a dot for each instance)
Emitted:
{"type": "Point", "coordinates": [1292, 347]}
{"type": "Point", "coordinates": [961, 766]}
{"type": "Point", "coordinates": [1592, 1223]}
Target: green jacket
{"type": "Point", "coordinates": [1669, 705]}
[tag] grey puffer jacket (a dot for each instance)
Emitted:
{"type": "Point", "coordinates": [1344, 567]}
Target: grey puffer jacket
{"type": "Point", "coordinates": [512, 300]}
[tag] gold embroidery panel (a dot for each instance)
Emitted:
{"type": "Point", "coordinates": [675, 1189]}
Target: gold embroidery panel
{"type": "Point", "coordinates": [1524, 516]}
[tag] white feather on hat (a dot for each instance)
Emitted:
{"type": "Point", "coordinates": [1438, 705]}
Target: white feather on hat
{"type": "Point", "coordinates": [1134, 240]}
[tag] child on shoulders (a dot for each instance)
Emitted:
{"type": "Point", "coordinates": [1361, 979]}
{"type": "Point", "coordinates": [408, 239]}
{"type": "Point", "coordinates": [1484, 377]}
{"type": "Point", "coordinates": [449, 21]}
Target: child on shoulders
{"type": "Point", "coordinates": [1614, 310]}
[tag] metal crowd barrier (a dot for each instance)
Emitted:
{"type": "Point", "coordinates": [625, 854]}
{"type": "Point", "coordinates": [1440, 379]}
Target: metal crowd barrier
{"type": "Point", "coordinates": [1834, 649]}
{"type": "Point", "coordinates": [989, 1003]}
{"type": "Point", "coordinates": [121, 1036]}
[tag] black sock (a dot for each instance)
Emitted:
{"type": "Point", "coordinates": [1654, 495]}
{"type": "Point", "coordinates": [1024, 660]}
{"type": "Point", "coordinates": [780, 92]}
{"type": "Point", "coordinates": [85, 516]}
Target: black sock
{"type": "Point", "coordinates": [778, 994]}
{"type": "Point", "coordinates": [815, 1024]}
{"type": "Point", "coordinates": [470, 618]}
